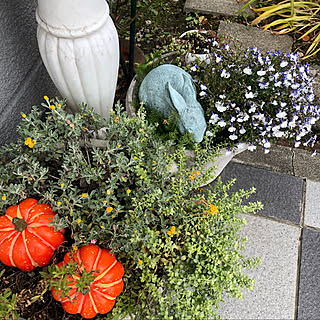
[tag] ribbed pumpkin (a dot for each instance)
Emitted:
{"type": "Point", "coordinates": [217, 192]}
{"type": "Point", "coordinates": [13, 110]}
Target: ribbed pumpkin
{"type": "Point", "coordinates": [26, 240]}
{"type": "Point", "coordinates": [104, 289]}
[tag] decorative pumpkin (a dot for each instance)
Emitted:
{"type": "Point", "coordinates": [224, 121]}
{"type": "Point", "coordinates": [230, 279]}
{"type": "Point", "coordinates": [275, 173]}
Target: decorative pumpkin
{"type": "Point", "coordinates": [104, 289]}
{"type": "Point", "coordinates": [26, 240]}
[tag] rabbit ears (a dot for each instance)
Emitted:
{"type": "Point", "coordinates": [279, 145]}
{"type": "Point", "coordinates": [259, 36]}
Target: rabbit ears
{"type": "Point", "coordinates": [178, 103]}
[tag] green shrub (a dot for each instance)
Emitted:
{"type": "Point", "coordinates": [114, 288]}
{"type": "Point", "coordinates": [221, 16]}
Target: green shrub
{"type": "Point", "coordinates": [179, 243]}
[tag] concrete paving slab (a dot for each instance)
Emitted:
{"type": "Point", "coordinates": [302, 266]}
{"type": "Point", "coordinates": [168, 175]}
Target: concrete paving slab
{"type": "Point", "coordinates": [315, 72]}
{"type": "Point", "coordinates": [306, 166]}
{"type": "Point", "coordinates": [309, 293]}
{"type": "Point", "coordinates": [275, 288]}
{"type": "Point", "coordinates": [312, 207]}
{"type": "Point", "coordinates": [279, 159]}
{"type": "Point", "coordinates": [281, 194]}
{"type": "Point", "coordinates": [249, 37]}
{"type": "Point", "coordinates": [217, 7]}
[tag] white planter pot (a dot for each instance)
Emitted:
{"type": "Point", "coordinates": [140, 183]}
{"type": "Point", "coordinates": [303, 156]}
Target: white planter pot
{"type": "Point", "coordinates": [79, 46]}
{"type": "Point", "coordinates": [191, 57]}
{"type": "Point", "coordinates": [220, 162]}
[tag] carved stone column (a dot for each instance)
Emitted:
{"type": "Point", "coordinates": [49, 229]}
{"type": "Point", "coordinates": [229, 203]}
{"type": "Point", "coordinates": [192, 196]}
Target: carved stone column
{"type": "Point", "coordinates": [79, 46]}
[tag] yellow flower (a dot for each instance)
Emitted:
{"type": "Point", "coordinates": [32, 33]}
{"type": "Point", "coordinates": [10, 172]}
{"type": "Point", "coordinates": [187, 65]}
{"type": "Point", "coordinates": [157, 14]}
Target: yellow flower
{"type": "Point", "coordinates": [136, 231]}
{"type": "Point", "coordinates": [59, 203]}
{"type": "Point", "coordinates": [116, 119]}
{"type": "Point", "coordinates": [4, 198]}
{"type": "Point", "coordinates": [109, 209]}
{"type": "Point", "coordinates": [142, 140]}
{"type": "Point", "coordinates": [173, 229]}
{"type": "Point", "coordinates": [128, 191]}
{"type": "Point", "coordinates": [154, 161]}
{"type": "Point", "coordinates": [193, 176]}
{"type": "Point", "coordinates": [135, 158]}
{"type": "Point", "coordinates": [29, 142]}
{"type": "Point", "coordinates": [59, 105]}
{"type": "Point", "coordinates": [105, 201]}
{"type": "Point", "coordinates": [119, 145]}
{"type": "Point", "coordinates": [84, 195]}
{"type": "Point", "coordinates": [140, 262]}
{"type": "Point", "coordinates": [169, 233]}
{"type": "Point", "coordinates": [45, 98]}
{"type": "Point", "coordinates": [61, 185]}
{"type": "Point", "coordinates": [108, 192]}
{"type": "Point", "coordinates": [52, 107]}
{"type": "Point", "coordinates": [112, 216]}
{"type": "Point", "coordinates": [198, 172]}
{"type": "Point", "coordinates": [75, 248]}
{"type": "Point", "coordinates": [213, 210]}
{"type": "Point", "coordinates": [102, 227]}
{"type": "Point", "coordinates": [24, 115]}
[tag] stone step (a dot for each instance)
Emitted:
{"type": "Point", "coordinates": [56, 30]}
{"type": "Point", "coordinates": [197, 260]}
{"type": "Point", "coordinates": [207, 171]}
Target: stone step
{"type": "Point", "coordinates": [249, 37]}
{"type": "Point", "coordinates": [217, 7]}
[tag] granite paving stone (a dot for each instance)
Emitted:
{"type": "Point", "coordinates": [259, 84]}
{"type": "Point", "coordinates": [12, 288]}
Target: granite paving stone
{"type": "Point", "coordinates": [217, 7]}
{"type": "Point", "coordinates": [282, 195]}
{"type": "Point", "coordinates": [312, 207]}
{"type": "Point", "coordinates": [305, 165]}
{"type": "Point", "coordinates": [309, 293]}
{"type": "Point", "coordinates": [279, 159]}
{"type": "Point", "coordinates": [275, 280]}
{"type": "Point", "coordinates": [249, 37]}
{"type": "Point", "coordinates": [315, 72]}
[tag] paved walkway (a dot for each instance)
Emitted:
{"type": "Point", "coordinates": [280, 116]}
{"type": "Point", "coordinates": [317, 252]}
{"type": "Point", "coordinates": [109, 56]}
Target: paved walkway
{"type": "Point", "coordinates": [286, 234]}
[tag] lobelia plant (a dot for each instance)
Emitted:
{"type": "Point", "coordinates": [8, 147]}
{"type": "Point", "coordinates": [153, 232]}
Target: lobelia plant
{"type": "Point", "coordinates": [257, 98]}
{"type": "Point", "coordinates": [109, 183]}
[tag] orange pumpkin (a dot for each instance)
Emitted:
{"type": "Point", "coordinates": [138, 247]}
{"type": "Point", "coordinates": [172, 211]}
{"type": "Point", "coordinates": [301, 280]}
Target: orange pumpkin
{"type": "Point", "coordinates": [106, 286]}
{"type": "Point", "coordinates": [26, 240]}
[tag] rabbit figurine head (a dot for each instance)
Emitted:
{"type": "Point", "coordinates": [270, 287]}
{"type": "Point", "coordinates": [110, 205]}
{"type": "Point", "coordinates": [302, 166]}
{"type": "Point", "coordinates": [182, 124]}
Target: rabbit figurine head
{"type": "Point", "coordinates": [169, 89]}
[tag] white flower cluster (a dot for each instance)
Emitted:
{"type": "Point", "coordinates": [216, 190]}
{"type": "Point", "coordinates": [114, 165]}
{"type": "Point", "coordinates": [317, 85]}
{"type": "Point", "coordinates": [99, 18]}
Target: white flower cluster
{"type": "Point", "coordinates": [260, 100]}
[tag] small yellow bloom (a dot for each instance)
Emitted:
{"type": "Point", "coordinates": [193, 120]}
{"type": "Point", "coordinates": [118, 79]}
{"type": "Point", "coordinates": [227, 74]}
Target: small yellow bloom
{"type": "Point", "coordinates": [119, 145]}
{"type": "Point", "coordinates": [109, 209]}
{"type": "Point", "coordinates": [198, 172]}
{"type": "Point", "coordinates": [4, 198]}
{"type": "Point", "coordinates": [128, 191]}
{"type": "Point", "coordinates": [59, 203]}
{"type": "Point", "coordinates": [142, 140]}
{"type": "Point", "coordinates": [173, 229]}
{"type": "Point", "coordinates": [59, 105]}
{"type": "Point", "coordinates": [136, 231]}
{"type": "Point", "coordinates": [29, 142]}
{"type": "Point", "coordinates": [45, 98]}
{"type": "Point", "coordinates": [154, 161]}
{"type": "Point", "coordinates": [61, 185]}
{"type": "Point", "coordinates": [213, 210]}
{"type": "Point", "coordinates": [192, 176]}
{"type": "Point", "coordinates": [24, 115]}
{"type": "Point", "coordinates": [72, 125]}
{"type": "Point", "coordinates": [112, 216]}
{"type": "Point", "coordinates": [116, 119]}
{"type": "Point", "coordinates": [105, 201]}
{"type": "Point", "coordinates": [84, 195]}
{"type": "Point", "coordinates": [79, 220]}
{"type": "Point", "coordinates": [135, 158]}
{"type": "Point", "coordinates": [108, 192]}
{"type": "Point", "coordinates": [102, 227]}
{"type": "Point", "coordinates": [75, 248]}
{"type": "Point", "coordinates": [169, 232]}
{"type": "Point", "coordinates": [52, 107]}
{"type": "Point", "coordinates": [140, 262]}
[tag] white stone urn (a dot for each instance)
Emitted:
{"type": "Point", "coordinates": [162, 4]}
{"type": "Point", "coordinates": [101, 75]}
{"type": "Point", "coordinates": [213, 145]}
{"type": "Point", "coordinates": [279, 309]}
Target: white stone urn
{"type": "Point", "coordinates": [79, 46]}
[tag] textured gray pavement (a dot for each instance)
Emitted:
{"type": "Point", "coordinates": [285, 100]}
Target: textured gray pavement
{"type": "Point", "coordinates": [275, 288]}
